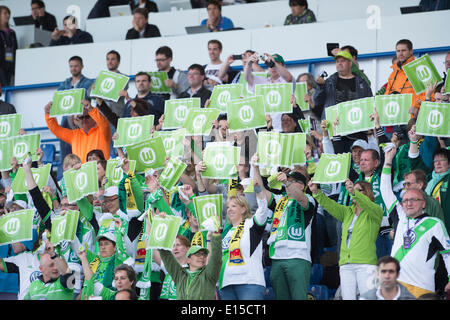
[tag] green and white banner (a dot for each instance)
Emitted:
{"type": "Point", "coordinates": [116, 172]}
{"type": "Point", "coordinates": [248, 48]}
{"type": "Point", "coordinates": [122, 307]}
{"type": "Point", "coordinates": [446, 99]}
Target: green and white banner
{"type": "Point", "coordinates": [148, 154]}
{"type": "Point", "coordinates": [16, 226]}
{"type": "Point", "coordinates": [114, 172]}
{"type": "Point", "coordinates": [81, 183]}
{"type": "Point", "coordinates": [221, 161]}
{"type": "Point", "coordinates": [67, 102]}
{"type": "Point", "coordinates": [10, 124]}
{"type": "Point", "coordinates": [5, 154]}
{"type": "Point", "coordinates": [159, 82]}
{"type": "Point", "coordinates": [108, 85]}
{"type": "Point", "coordinates": [447, 86]}
{"type": "Point", "coordinates": [421, 72]}
{"type": "Point", "coordinates": [277, 97]}
{"type": "Point", "coordinates": [22, 145]}
{"type": "Point", "coordinates": [163, 232]}
{"type": "Point", "coordinates": [133, 130]}
{"type": "Point", "coordinates": [176, 111]}
{"type": "Point", "coordinates": [330, 115]}
{"type": "Point", "coordinates": [199, 121]}
{"type": "Point", "coordinates": [354, 116]}
{"type": "Point", "coordinates": [300, 91]}
{"type": "Point", "coordinates": [245, 114]}
{"type": "Point", "coordinates": [299, 157]}
{"type": "Point", "coordinates": [172, 141]}
{"type": "Point", "coordinates": [64, 227]}
{"type": "Point", "coordinates": [206, 207]}
{"type": "Point", "coordinates": [332, 168]}
{"type": "Point", "coordinates": [393, 109]}
{"type": "Point", "coordinates": [171, 173]}
{"type": "Point", "coordinates": [245, 92]}
{"type": "Point", "coordinates": [305, 124]}
{"type": "Point", "coordinates": [224, 93]}
{"type": "Point", "coordinates": [40, 176]}
{"type": "Point", "coordinates": [275, 149]}
{"type": "Point", "coordinates": [433, 119]}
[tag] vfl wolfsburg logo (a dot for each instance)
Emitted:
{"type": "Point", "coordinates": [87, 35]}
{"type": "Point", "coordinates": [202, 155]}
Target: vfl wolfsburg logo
{"type": "Point", "coordinates": [333, 168]}
{"type": "Point", "coordinates": [61, 228]}
{"type": "Point", "coordinates": [199, 121]}
{"type": "Point", "coordinates": [36, 177]}
{"type": "Point", "coordinates": [219, 161]}
{"type": "Point", "coordinates": [273, 148]}
{"type": "Point", "coordinates": [20, 149]}
{"type": "Point", "coordinates": [246, 113]}
{"type": "Point", "coordinates": [168, 171]}
{"type": "Point", "coordinates": [223, 98]}
{"type": "Point", "coordinates": [273, 98]}
{"type": "Point", "coordinates": [156, 83]}
{"type": "Point", "coordinates": [134, 131]}
{"type": "Point", "coordinates": [147, 155]}
{"type": "Point", "coordinates": [354, 116]}
{"type": "Point", "coordinates": [181, 113]}
{"type": "Point", "coordinates": [107, 84]}
{"type": "Point", "coordinates": [423, 73]}
{"type": "Point", "coordinates": [295, 233]}
{"type": "Point", "coordinates": [12, 226]}
{"type": "Point", "coordinates": [392, 109]}
{"type": "Point", "coordinates": [209, 210]}
{"type": "Point", "coordinates": [435, 119]}
{"type": "Point", "coordinates": [67, 102]}
{"type": "Point", "coordinates": [81, 180]}
{"type": "Point", "coordinates": [169, 144]}
{"type": "Point", "coordinates": [160, 232]}
{"type": "Point", "coordinates": [5, 129]}
{"type": "Point", "coordinates": [116, 175]}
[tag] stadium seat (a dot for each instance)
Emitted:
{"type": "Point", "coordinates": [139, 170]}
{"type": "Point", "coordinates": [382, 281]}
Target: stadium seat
{"type": "Point", "coordinates": [316, 274]}
{"type": "Point", "coordinates": [49, 153]}
{"type": "Point", "coordinates": [318, 292]}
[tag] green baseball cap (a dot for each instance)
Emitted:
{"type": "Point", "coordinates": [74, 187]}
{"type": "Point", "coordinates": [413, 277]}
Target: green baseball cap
{"type": "Point", "coordinates": [344, 54]}
{"type": "Point", "coordinates": [278, 58]}
{"type": "Point", "coordinates": [194, 249]}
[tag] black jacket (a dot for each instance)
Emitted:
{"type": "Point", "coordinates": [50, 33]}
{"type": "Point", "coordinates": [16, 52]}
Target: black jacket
{"type": "Point", "coordinates": [150, 31]}
{"type": "Point", "coordinates": [79, 37]}
{"type": "Point", "coordinates": [202, 93]}
{"type": "Point", "coordinates": [47, 22]}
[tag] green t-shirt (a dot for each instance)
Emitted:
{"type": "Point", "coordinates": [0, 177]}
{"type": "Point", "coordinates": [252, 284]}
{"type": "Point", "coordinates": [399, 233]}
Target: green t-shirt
{"type": "Point", "coordinates": [53, 290]}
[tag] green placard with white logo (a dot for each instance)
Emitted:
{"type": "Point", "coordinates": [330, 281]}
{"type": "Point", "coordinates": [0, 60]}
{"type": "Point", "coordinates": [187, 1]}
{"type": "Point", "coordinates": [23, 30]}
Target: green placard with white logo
{"type": "Point", "coordinates": [5, 154]}
{"type": "Point", "coordinates": [222, 94]}
{"type": "Point", "coordinates": [199, 121]}
{"type": "Point", "coordinates": [16, 226]}
{"type": "Point", "coordinates": [393, 109]}
{"type": "Point", "coordinates": [207, 207]}
{"type": "Point", "coordinates": [354, 116]}
{"type": "Point", "coordinates": [433, 119]}
{"type": "Point", "coordinates": [133, 130]}
{"type": "Point", "coordinates": [163, 232]}
{"type": "Point", "coordinates": [64, 227]}
{"type": "Point", "coordinates": [81, 183]}
{"type": "Point", "coordinates": [299, 157]}
{"type": "Point", "coordinates": [114, 172]}
{"type": "Point", "coordinates": [21, 145]}
{"type": "Point", "coordinates": [149, 154]}
{"type": "Point", "coordinates": [330, 115]}
{"type": "Point", "coordinates": [40, 176]}
{"type": "Point", "coordinates": [332, 168]}
{"type": "Point", "coordinates": [421, 72]}
{"type": "Point", "coordinates": [172, 141]}
{"type": "Point", "coordinates": [300, 91]}
{"type": "Point", "coordinates": [277, 97]}
{"type": "Point", "coordinates": [244, 89]}
{"type": "Point", "coordinates": [171, 173]}
{"type": "Point", "coordinates": [67, 102]}
{"type": "Point", "coordinates": [245, 114]}
{"type": "Point", "coordinates": [305, 124]}
{"type": "Point", "coordinates": [108, 85]}
{"type": "Point", "coordinates": [176, 110]}
{"type": "Point", "coordinates": [220, 161]}
{"type": "Point", "coordinates": [10, 124]}
{"type": "Point", "coordinates": [159, 82]}
{"type": "Point", "coordinates": [275, 149]}
{"type": "Point", "coordinates": [447, 85]}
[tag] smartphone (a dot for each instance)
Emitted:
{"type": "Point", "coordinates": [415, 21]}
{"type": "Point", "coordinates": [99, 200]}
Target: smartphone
{"type": "Point", "coordinates": [237, 56]}
{"type": "Point", "coordinates": [330, 47]}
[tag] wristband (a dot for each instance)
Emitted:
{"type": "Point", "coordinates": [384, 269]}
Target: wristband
{"type": "Point", "coordinates": [54, 256]}
{"type": "Point", "coordinates": [415, 142]}
{"type": "Point", "coordinates": [54, 198]}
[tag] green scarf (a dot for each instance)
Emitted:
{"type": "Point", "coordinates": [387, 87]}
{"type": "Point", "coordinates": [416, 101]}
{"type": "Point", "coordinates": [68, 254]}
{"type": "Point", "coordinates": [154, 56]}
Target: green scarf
{"type": "Point", "coordinates": [435, 179]}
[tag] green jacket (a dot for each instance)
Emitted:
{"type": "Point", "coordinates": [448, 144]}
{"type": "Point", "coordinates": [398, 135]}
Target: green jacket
{"type": "Point", "coordinates": [362, 247]}
{"type": "Point", "coordinates": [203, 286]}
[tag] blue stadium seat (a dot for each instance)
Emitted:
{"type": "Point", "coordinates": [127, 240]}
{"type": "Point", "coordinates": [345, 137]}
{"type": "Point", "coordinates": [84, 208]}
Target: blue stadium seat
{"type": "Point", "coordinates": [316, 274]}
{"type": "Point", "coordinates": [319, 292]}
{"type": "Point", "coordinates": [49, 153]}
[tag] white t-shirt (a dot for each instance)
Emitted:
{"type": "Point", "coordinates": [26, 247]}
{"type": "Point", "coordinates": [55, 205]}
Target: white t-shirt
{"type": "Point", "coordinates": [28, 264]}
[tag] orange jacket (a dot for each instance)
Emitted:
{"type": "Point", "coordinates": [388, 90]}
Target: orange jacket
{"type": "Point", "coordinates": [98, 137]}
{"type": "Point", "coordinates": [398, 81]}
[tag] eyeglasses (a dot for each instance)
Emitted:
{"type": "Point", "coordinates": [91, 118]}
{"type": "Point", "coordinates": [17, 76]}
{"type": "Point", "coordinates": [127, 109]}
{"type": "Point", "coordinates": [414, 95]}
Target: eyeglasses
{"type": "Point", "coordinates": [407, 184]}
{"type": "Point", "coordinates": [413, 200]}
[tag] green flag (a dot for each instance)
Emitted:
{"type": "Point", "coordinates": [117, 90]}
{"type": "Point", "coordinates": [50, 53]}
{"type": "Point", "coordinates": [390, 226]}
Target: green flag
{"type": "Point", "coordinates": [158, 82]}
{"type": "Point", "coordinates": [222, 94]}
{"type": "Point", "coordinates": [199, 121]}
{"type": "Point", "coordinates": [206, 207]}
{"type": "Point", "coordinates": [114, 172]}
{"type": "Point", "coordinates": [221, 160]}
{"type": "Point", "coordinates": [433, 119]}
{"type": "Point", "coordinates": [275, 149]}
{"type": "Point", "coordinates": [245, 114]}
{"type": "Point", "coordinates": [447, 86]}
{"type": "Point", "coordinates": [393, 109]}
{"type": "Point", "coordinates": [133, 130]}
{"type": "Point", "coordinates": [171, 173]}
{"type": "Point", "coordinates": [40, 176]}
{"type": "Point", "coordinates": [163, 232]}
{"type": "Point", "coordinates": [354, 116]}
{"type": "Point", "coordinates": [332, 168]}
{"type": "Point", "coordinates": [330, 115]}
{"type": "Point", "coordinates": [22, 145]}
{"type": "Point", "coordinates": [64, 227]}
{"type": "Point", "coordinates": [81, 183]}
{"type": "Point", "coordinates": [108, 85]}
{"type": "Point", "coordinates": [300, 91]}
{"type": "Point", "coordinates": [299, 157]}
{"type": "Point", "coordinates": [10, 124]}
{"type": "Point", "coordinates": [16, 226]}
{"type": "Point", "coordinates": [305, 124]}
{"type": "Point", "coordinates": [176, 110]}
{"type": "Point", "coordinates": [67, 102]}
{"type": "Point", "coordinates": [421, 72]}
{"type": "Point", "coordinates": [5, 154]}
{"type": "Point", "coordinates": [172, 141]}
{"type": "Point", "coordinates": [277, 97]}
{"type": "Point", "coordinates": [148, 154]}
